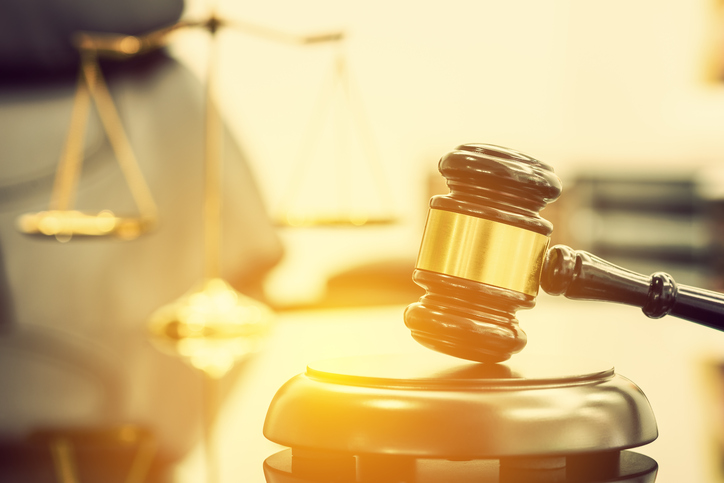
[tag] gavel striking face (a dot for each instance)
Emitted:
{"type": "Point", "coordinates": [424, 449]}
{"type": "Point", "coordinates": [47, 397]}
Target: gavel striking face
{"type": "Point", "coordinates": [485, 251]}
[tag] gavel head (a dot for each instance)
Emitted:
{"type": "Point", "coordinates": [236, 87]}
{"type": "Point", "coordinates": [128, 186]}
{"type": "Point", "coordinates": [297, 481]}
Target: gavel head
{"type": "Point", "coordinates": [481, 253]}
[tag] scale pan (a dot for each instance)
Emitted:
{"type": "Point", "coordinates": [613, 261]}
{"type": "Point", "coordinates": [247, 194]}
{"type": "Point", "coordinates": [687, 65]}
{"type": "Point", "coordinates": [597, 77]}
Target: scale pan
{"type": "Point", "coordinates": [65, 224]}
{"type": "Point", "coordinates": [319, 221]}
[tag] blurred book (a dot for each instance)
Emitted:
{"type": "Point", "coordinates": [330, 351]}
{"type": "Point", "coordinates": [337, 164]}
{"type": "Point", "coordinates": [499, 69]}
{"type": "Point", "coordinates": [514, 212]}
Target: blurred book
{"type": "Point", "coordinates": [643, 224]}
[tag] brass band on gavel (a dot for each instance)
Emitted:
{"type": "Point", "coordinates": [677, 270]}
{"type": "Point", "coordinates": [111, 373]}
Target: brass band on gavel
{"type": "Point", "coordinates": [482, 250]}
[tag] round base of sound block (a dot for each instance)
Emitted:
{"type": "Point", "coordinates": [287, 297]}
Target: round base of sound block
{"type": "Point", "coordinates": [625, 467]}
{"type": "Point", "coordinates": [439, 407]}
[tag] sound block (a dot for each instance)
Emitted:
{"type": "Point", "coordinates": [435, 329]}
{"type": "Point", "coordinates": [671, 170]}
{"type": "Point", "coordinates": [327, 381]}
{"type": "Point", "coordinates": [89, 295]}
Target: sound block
{"type": "Point", "coordinates": [387, 418]}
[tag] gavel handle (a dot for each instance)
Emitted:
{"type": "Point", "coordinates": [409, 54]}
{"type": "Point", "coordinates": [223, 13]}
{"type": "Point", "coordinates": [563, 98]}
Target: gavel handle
{"type": "Point", "coordinates": [581, 275]}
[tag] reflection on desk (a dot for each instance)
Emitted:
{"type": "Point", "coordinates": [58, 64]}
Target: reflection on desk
{"type": "Point", "coordinates": [665, 357]}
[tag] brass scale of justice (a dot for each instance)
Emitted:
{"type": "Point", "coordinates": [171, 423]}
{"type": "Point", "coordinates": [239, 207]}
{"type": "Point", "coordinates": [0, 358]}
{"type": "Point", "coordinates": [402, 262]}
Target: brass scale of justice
{"type": "Point", "coordinates": [477, 416]}
{"type": "Point", "coordinates": [63, 222]}
{"type": "Point", "coordinates": [212, 326]}
{"type": "Point", "coordinates": [224, 338]}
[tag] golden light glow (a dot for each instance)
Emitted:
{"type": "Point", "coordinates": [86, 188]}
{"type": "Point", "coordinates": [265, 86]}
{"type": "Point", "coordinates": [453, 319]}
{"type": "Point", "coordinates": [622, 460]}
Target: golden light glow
{"type": "Point", "coordinates": [64, 224]}
{"type": "Point", "coordinates": [211, 327]}
{"type": "Point", "coordinates": [485, 251]}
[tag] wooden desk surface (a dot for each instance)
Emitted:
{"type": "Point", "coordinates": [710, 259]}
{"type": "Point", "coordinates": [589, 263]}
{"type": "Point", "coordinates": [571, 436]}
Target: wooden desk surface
{"type": "Point", "coordinates": [667, 358]}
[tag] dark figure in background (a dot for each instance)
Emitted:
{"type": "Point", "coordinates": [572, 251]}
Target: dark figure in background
{"type": "Point", "coordinates": [74, 350]}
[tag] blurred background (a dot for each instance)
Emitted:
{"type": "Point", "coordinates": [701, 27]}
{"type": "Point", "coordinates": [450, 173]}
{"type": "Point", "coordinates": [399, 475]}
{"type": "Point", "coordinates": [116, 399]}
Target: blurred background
{"type": "Point", "coordinates": [624, 99]}
{"type": "Point", "coordinates": [627, 99]}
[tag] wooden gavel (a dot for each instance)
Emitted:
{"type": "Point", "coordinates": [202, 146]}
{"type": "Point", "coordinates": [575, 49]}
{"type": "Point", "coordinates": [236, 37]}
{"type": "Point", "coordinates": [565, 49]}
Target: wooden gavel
{"type": "Point", "coordinates": [485, 252]}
